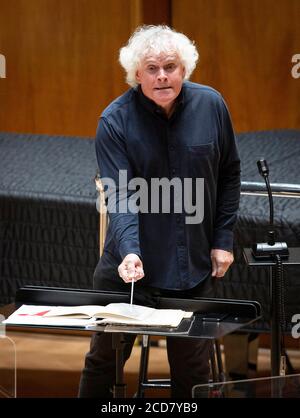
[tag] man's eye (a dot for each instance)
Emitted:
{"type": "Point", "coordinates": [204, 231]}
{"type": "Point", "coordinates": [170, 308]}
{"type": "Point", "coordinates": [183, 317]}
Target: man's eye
{"type": "Point", "coordinates": [151, 68]}
{"type": "Point", "coordinates": [170, 67]}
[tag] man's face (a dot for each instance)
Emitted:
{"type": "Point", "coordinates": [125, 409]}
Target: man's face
{"type": "Point", "coordinates": [161, 77]}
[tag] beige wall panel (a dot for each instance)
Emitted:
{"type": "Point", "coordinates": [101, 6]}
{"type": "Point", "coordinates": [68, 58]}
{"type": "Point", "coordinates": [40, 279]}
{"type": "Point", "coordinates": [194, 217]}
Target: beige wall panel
{"type": "Point", "coordinates": [246, 48]}
{"type": "Point", "coordinates": [61, 63]}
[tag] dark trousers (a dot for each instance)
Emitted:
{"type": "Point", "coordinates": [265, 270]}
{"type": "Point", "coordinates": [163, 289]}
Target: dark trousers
{"type": "Point", "coordinates": [188, 358]}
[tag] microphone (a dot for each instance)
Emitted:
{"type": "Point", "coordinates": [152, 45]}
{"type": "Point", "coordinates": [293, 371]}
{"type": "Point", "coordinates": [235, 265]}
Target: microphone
{"type": "Point", "coordinates": [263, 168]}
{"type": "Point", "coordinates": [266, 250]}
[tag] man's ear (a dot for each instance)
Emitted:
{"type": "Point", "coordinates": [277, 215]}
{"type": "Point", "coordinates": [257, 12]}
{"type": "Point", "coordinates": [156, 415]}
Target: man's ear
{"type": "Point", "coordinates": [137, 76]}
{"type": "Point", "coordinates": [183, 72]}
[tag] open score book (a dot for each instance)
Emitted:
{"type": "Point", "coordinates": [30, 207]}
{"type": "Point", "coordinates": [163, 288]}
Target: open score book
{"type": "Point", "coordinates": [85, 315]}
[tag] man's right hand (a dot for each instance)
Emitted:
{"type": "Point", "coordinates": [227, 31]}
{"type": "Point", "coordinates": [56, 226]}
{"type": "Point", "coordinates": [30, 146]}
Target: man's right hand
{"type": "Point", "coordinates": [131, 268]}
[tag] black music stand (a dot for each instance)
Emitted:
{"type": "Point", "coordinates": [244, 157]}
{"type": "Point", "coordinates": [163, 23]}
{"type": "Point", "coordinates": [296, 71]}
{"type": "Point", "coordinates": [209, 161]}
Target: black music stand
{"type": "Point", "coordinates": [292, 260]}
{"type": "Point", "coordinates": [235, 313]}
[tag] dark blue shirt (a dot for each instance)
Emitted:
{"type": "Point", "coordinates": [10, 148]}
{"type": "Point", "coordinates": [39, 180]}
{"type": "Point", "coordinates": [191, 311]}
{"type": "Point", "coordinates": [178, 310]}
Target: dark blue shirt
{"type": "Point", "coordinates": [197, 141]}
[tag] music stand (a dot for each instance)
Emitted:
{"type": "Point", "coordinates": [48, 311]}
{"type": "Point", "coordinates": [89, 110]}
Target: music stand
{"type": "Point", "coordinates": [292, 260]}
{"type": "Point", "coordinates": [236, 314]}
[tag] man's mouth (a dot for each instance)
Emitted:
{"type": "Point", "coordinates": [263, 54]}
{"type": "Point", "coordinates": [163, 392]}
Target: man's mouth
{"type": "Point", "coordinates": [162, 88]}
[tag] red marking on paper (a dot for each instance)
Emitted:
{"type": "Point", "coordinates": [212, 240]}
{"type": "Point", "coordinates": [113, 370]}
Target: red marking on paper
{"type": "Point", "coordinates": [36, 314]}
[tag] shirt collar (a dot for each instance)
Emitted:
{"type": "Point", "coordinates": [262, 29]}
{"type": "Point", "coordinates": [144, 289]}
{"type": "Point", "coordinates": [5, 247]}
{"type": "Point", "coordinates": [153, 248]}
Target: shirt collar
{"type": "Point", "coordinates": [151, 106]}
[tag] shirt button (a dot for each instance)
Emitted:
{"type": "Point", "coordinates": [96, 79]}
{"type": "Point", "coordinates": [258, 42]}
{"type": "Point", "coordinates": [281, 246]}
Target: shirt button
{"type": "Point", "coordinates": [173, 171]}
{"type": "Point", "coordinates": [178, 219]}
{"type": "Point", "coordinates": [172, 147]}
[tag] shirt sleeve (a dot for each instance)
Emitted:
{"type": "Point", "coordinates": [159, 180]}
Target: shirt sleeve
{"type": "Point", "coordinates": [115, 172]}
{"type": "Point", "coordinates": [229, 184]}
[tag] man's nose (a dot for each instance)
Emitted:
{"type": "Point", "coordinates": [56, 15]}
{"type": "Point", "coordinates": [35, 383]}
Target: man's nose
{"type": "Point", "coordinates": [162, 74]}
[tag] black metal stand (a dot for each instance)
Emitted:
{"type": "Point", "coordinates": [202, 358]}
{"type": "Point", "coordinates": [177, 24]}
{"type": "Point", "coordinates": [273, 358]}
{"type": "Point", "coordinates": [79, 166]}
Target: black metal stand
{"type": "Point", "coordinates": [275, 300]}
{"type": "Point", "coordinates": [119, 389]}
{"type": "Point", "coordinates": [275, 324]}
{"type": "Point", "coordinates": [237, 313]}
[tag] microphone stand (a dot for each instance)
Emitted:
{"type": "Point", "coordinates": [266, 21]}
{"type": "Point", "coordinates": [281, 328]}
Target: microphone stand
{"type": "Point", "coordinates": [274, 252]}
{"type": "Point", "coordinates": [266, 250]}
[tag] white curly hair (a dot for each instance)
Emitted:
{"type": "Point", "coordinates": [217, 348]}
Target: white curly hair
{"type": "Point", "coordinates": [156, 39]}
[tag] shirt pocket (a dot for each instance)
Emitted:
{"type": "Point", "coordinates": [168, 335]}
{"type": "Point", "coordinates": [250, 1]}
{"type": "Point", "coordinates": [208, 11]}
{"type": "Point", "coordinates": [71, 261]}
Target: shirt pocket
{"type": "Point", "coordinates": [203, 160]}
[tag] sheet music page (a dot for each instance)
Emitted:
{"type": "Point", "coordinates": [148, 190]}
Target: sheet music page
{"type": "Point", "coordinates": [35, 315]}
{"type": "Point", "coordinates": [123, 313]}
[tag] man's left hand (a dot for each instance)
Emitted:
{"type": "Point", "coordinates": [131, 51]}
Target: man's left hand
{"type": "Point", "coordinates": [221, 261]}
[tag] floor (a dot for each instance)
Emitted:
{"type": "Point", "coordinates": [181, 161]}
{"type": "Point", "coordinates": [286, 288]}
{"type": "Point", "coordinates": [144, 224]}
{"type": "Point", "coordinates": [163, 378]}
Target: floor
{"type": "Point", "coordinates": [50, 365]}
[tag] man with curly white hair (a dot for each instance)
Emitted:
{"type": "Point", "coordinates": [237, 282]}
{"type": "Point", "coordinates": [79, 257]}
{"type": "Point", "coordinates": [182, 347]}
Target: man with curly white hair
{"type": "Point", "coordinates": [164, 127]}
